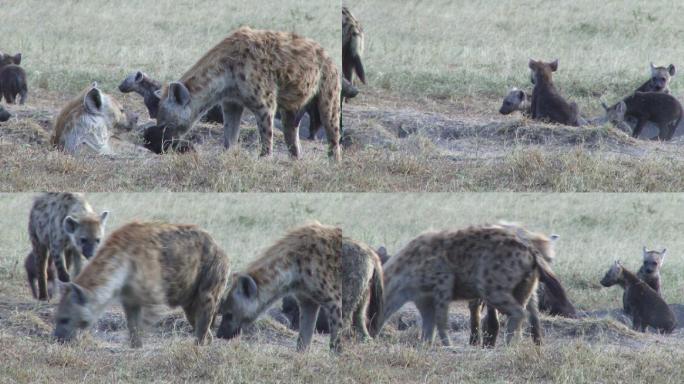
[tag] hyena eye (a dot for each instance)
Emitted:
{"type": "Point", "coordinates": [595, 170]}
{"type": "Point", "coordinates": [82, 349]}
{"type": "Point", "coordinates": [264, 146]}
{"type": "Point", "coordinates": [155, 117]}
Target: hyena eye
{"type": "Point", "coordinates": [64, 321]}
{"type": "Point", "coordinates": [83, 324]}
{"type": "Point", "coordinates": [84, 240]}
{"type": "Point", "coordinates": [97, 241]}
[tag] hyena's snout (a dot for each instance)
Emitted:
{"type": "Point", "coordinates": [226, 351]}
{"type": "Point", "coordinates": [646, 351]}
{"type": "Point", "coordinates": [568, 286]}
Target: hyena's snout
{"type": "Point", "coordinates": [227, 330]}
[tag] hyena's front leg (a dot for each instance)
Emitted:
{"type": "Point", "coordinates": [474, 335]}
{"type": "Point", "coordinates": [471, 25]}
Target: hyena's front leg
{"type": "Point", "coordinates": [264, 114]}
{"type": "Point", "coordinates": [73, 258]}
{"type": "Point", "coordinates": [204, 316]}
{"type": "Point", "coordinates": [134, 323]}
{"type": "Point", "coordinates": [308, 313]}
{"type": "Point", "coordinates": [41, 253]}
{"type": "Point", "coordinates": [491, 331]}
{"type": "Point", "coordinates": [291, 132]}
{"type": "Point", "coordinates": [232, 113]}
{"type": "Point", "coordinates": [426, 307]}
{"type": "Point", "coordinates": [533, 311]}
{"type": "Point", "coordinates": [335, 317]}
{"type": "Point", "coordinates": [442, 320]}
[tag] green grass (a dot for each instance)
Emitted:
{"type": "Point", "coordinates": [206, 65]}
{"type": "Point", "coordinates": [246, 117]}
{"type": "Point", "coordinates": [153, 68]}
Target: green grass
{"type": "Point", "coordinates": [459, 49]}
{"type": "Point", "coordinates": [68, 44]}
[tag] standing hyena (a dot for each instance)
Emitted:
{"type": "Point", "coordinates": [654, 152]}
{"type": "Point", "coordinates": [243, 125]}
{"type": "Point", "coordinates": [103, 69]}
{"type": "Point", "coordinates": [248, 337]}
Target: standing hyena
{"type": "Point", "coordinates": [311, 264]}
{"type": "Point", "coordinates": [146, 265]}
{"type": "Point", "coordinates": [87, 122]}
{"type": "Point", "coordinates": [352, 47]}
{"type": "Point", "coordinates": [262, 71]}
{"type": "Point", "coordinates": [649, 273]}
{"type": "Point", "coordinates": [304, 263]}
{"type": "Point", "coordinates": [65, 225]}
{"type": "Point", "coordinates": [489, 263]}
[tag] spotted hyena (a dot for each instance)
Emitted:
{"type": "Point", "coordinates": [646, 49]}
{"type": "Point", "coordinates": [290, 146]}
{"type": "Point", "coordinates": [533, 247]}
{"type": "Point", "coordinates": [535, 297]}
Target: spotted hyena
{"type": "Point", "coordinates": [660, 79]}
{"type": "Point", "coordinates": [547, 103]}
{"type": "Point", "coordinates": [312, 264]}
{"type": "Point", "coordinates": [352, 47]}
{"type": "Point", "coordinates": [261, 71]}
{"type": "Point", "coordinates": [649, 272]}
{"type": "Point", "coordinates": [65, 225]}
{"type": "Point", "coordinates": [516, 100]}
{"type": "Point", "coordinates": [144, 266]}
{"type": "Point", "coordinates": [87, 121]}
{"type": "Point", "coordinates": [491, 263]}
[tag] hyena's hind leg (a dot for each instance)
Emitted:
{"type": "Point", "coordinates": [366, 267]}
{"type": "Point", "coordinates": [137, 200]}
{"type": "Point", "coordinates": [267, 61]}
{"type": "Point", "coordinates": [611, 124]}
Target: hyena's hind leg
{"type": "Point", "coordinates": [41, 253]}
{"type": "Point", "coordinates": [533, 313]}
{"type": "Point", "coordinates": [475, 307]}
{"type": "Point", "coordinates": [291, 133]}
{"type": "Point", "coordinates": [308, 313]}
{"type": "Point", "coordinates": [232, 113]}
{"type": "Point", "coordinates": [507, 304]}
{"type": "Point", "coordinates": [329, 110]}
{"type": "Point", "coordinates": [334, 308]}
{"type": "Point", "coordinates": [426, 307]}
{"type": "Point", "coordinates": [264, 113]}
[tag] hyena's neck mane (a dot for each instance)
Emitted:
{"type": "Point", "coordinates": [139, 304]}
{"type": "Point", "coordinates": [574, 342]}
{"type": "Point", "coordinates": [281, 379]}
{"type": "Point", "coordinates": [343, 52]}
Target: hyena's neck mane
{"type": "Point", "coordinates": [103, 277]}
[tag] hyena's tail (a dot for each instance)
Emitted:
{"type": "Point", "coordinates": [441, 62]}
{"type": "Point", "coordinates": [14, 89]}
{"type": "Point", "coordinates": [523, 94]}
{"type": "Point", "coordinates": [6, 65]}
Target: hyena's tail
{"type": "Point", "coordinates": [555, 288]}
{"type": "Point", "coordinates": [356, 45]}
{"type": "Point", "coordinates": [376, 306]}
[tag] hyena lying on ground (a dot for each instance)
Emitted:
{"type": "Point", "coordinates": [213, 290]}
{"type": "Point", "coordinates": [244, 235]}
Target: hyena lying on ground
{"type": "Point", "coordinates": [352, 47]}
{"type": "Point", "coordinates": [4, 115]}
{"type": "Point", "coordinates": [490, 263]}
{"type": "Point", "coordinates": [647, 308]}
{"type": "Point", "coordinates": [86, 122]}
{"type": "Point", "coordinates": [147, 87]}
{"type": "Point", "coordinates": [649, 273]}
{"type": "Point", "coordinates": [516, 100]}
{"type": "Point", "coordinates": [262, 71]}
{"type": "Point", "coordinates": [32, 275]}
{"type": "Point", "coordinates": [65, 225]}
{"type": "Point", "coordinates": [660, 79]}
{"type": "Point", "coordinates": [147, 265]}
{"type": "Point", "coordinates": [547, 103]}
{"type": "Point", "coordinates": [659, 108]}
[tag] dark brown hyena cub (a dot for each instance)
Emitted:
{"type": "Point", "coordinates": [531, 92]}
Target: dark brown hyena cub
{"type": "Point", "coordinates": [547, 102]}
{"type": "Point", "coordinates": [13, 83]}
{"type": "Point", "coordinates": [655, 107]}
{"type": "Point", "coordinates": [32, 275]}
{"type": "Point", "coordinates": [647, 307]}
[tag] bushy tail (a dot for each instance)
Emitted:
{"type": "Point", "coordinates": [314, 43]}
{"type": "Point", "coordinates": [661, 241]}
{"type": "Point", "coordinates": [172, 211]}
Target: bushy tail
{"type": "Point", "coordinates": [555, 288]}
{"type": "Point", "coordinates": [357, 51]}
{"type": "Point", "coordinates": [376, 306]}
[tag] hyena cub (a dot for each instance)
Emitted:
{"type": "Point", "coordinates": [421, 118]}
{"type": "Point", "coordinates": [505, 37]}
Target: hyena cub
{"type": "Point", "coordinates": [32, 275]}
{"type": "Point", "coordinates": [4, 115]}
{"type": "Point", "coordinates": [86, 122]}
{"type": "Point", "coordinates": [305, 263]}
{"type": "Point", "coordinates": [649, 273]}
{"type": "Point", "coordinates": [12, 83]}
{"type": "Point", "coordinates": [352, 47]}
{"type": "Point", "coordinates": [547, 103]}
{"type": "Point", "coordinates": [144, 266]}
{"type": "Point", "coordinates": [516, 100]}
{"type": "Point", "coordinates": [147, 87]}
{"type": "Point", "coordinates": [659, 108]}
{"type": "Point", "coordinates": [647, 308]}
{"type": "Point", "coordinates": [7, 59]}
{"type": "Point", "coordinates": [660, 79]}
{"type": "Point", "coordinates": [490, 263]}
{"type": "Point", "coordinates": [261, 71]}
{"type": "Point", "coordinates": [65, 225]}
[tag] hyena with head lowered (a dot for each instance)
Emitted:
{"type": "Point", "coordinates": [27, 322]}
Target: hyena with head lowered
{"type": "Point", "coordinates": [145, 266]}
{"type": "Point", "coordinates": [65, 225]}
{"type": "Point", "coordinates": [352, 47]}
{"type": "Point", "coordinates": [87, 122]}
{"type": "Point", "coordinates": [310, 264]}
{"type": "Point", "coordinates": [261, 71]}
{"type": "Point", "coordinates": [491, 263]}
{"type": "Point", "coordinates": [649, 273]}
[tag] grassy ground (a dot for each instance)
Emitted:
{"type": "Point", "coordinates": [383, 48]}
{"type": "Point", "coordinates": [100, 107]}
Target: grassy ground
{"type": "Point", "coordinates": [595, 229]}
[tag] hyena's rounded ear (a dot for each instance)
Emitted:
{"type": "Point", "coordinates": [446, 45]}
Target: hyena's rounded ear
{"type": "Point", "coordinates": [645, 250]}
{"type": "Point", "coordinates": [138, 77]}
{"type": "Point", "coordinates": [17, 58]}
{"type": "Point", "coordinates": [180, 93]}
{"type": "Point", "coordinates": [70, 225]}
{"type": "Point", "coordinates": [103, 217]}
{"type": "Point", "coordinates": [521, 94]}
{"type": "Point", "coordinates": [672, 69]}
{"type": "Point", "coordinates": [662, 254]}
{"type": "Point", "coordinates": [247, 286]}
{"type": "Point", "coordinates": [652, 66]}
{"type": "Point", "coordinates": [158, 93]}
{"type": "Point", "coordinates": [531, 63]}
{"type": "Point", "coordinates": [77, 294]}
{"type": "Point", "coordinates": [93, 100]}
{"type": "Point", "coordinates": [554, 65]}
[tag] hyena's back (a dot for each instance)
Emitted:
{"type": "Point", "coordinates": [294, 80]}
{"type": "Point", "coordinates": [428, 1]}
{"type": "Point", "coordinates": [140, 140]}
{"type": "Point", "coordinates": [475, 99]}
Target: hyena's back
{"type": "Point", "coordinates": [172, 263]}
